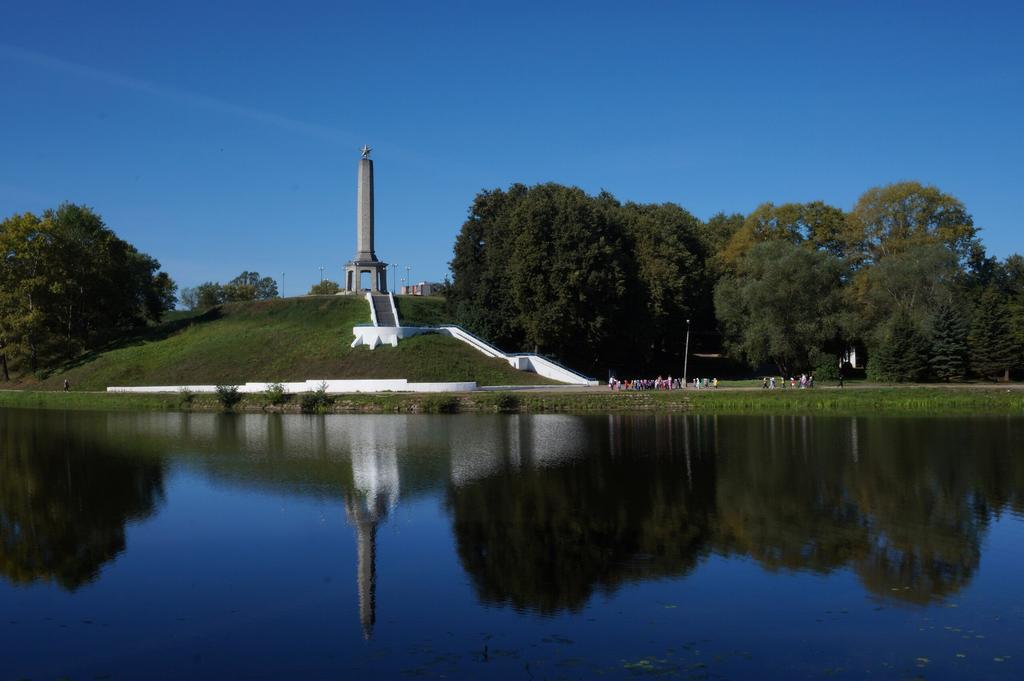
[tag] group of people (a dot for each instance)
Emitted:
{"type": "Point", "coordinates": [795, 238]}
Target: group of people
{"type": "Point", "coordinates": [768, 383]}
{"type": "Point", "coordinates": [805, 381]}
{"type": "Point", "coordinates": [659, 383]}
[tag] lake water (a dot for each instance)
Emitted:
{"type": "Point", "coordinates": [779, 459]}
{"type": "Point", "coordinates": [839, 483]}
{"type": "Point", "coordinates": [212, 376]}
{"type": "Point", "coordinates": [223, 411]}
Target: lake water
{"type": "Point", "coordinates": [174, 546]}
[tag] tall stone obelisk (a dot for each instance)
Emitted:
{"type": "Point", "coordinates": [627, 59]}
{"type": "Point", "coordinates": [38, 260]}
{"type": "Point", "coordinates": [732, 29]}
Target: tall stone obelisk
{"type": "Point", "coordinates": [365, 260]}
{"type": "Point", "coordinates": [364, 211]}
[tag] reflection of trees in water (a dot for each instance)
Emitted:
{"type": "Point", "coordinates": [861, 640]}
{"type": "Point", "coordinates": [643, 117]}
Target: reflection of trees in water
{"type": "Point", "coordinates": [65, 499]}
{"type": "Point", "coordinates": [546, 509]}
{"type": "Point", "coordinates": [903, 502]}
{"type": "Point", "coordinates": [546, 536]}
{"type": "Point", "coordinates": [899, 509]}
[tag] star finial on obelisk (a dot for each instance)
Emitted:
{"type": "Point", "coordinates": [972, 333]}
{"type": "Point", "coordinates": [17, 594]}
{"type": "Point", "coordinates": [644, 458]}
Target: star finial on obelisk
{"type": "Point", "coordinates": [366, 150]}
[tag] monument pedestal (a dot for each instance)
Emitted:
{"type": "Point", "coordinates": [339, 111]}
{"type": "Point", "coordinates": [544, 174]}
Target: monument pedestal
{"type": "Point", "coordinates": [378, 271]}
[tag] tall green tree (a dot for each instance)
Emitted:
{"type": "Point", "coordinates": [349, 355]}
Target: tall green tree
{"type": "Point", "coordinates": [480, 296]}
{"type": "Point", "coordinates": [23, 289]}
{"type": "Point", "coordinates": [69, 283]}
{"type": "Point", "coordinates": [782, 305]}
{"type": "Point", "coordinates": [567, 275]}
{"type": "Point", "coordinates": [535, 268]}
{"type": "Point", "coordinates": [912, 282]}
{"type": "Point", "coordinates": [949, 351]}
{"type": "Point", "coordinates": [991, 342]}
{"type": "Point", "coordinates": [595, 283]}
{"type": "Point", "coordinates": [1016, 321]}
{"type": "Point", "coordinates": [667, 280]}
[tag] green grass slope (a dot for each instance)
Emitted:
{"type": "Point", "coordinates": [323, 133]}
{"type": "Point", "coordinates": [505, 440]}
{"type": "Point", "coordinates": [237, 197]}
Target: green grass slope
{"type": "Point", "coordinates": [421, 311]}
{"type": "Point", "coordinates": [281, 340]}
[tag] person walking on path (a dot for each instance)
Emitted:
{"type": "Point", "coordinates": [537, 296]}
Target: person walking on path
{"type": "Point", "coordinates": [67, 385]}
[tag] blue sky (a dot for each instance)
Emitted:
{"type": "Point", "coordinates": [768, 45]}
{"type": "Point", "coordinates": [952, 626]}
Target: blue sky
{"type": "Point", "coordinates": [224, 136]}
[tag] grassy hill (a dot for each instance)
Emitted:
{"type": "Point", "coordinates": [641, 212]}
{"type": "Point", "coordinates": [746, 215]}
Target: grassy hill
{"type": "Point", "coordinates": [282, 340]}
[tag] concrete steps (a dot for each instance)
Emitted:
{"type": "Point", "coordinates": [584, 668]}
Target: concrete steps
{"type": "Point", "coordinates": [383, 313]}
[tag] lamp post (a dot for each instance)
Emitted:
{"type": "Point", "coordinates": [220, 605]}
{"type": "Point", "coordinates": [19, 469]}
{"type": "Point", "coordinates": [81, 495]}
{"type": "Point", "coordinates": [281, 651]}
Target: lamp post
{"type": "Point", "coordinates": [408, 277]}
{"type": "Point", "coordinates": [321, 274]}
{"type": "Point", "coordinates": [282, 284]}
{"type": "Point", "coordinates": [686, 353]}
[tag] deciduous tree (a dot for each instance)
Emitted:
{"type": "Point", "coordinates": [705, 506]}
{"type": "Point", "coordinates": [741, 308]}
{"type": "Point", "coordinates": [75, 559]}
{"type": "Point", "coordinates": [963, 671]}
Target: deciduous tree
{"type": "Point", "coordinates": [249, 286]}
{"type": "Point", "coordinates": [782, 305]}
{"type": "Point", "coordinates": [815, 225]}
{"type": "Point", "coordinates": [209, 294]}
{"type": "Point", "coordinates": [324, 288]}
{"type": "Point", "coordinates": [890, 219]}
{"type": "Point", "coordinates": [68, 283]}
{"type": "Point", "coordinates": [189, 297]}
{"type": "Point", "coordinates": [912, 282]}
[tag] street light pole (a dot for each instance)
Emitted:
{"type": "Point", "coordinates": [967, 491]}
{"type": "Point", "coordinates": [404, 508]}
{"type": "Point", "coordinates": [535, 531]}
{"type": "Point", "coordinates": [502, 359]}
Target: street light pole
{"type": "Point", "coordinates": [282, 284]}
{"type": "Point", "coordinates": [408, 277]}
{"type": "Point", "coordinates": [686, 353]}
{"type": "Point", "coordinates": [321, 274]}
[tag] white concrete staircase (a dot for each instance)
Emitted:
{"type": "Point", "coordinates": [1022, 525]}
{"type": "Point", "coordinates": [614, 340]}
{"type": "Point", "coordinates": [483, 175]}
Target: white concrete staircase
{"type": "Point", "coordinates": [384, 312]}
{"type": "Point", "coordinates": [387, 330]}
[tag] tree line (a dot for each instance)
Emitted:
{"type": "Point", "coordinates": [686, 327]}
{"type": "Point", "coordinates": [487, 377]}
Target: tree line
{"type": "Point", "coordinates": [600, 284]}
{"type": "Point", "coordinates": [68, 284]}
{"type": "Point", "coordinates": [246, 286]}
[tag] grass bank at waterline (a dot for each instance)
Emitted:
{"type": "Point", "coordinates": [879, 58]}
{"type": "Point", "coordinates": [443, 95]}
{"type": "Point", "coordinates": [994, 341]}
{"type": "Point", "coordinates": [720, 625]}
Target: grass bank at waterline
{"type": "Point", "coordinates": [856, 401]}
{"type": "Point", "coordinates": [293, 339]}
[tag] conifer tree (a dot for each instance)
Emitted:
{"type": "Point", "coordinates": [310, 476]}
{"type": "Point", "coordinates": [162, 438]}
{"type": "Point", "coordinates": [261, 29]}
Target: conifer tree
{"type": "Point", "coordinates": [949, 343]}
{"type": "Point", "coordinates": [1016, 307]}
{"type": "Point", "coordinates": [990, 341]}
{"type": "Point", "coordinates": [903, 354]}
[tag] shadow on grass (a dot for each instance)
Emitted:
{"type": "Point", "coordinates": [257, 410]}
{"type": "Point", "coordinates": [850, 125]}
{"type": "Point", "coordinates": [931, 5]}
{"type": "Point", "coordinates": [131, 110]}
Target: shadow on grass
{"type": "Point", "coordinates": [138, 337]}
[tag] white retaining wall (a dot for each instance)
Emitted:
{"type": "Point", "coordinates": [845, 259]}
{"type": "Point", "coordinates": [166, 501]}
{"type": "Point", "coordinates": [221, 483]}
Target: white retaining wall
{"type": "Point", "coordinates": [394, 310]}
{"type": "Point", "coordinates": [373, 312]}
{"type": "Point", "coordinates": [332, 386]}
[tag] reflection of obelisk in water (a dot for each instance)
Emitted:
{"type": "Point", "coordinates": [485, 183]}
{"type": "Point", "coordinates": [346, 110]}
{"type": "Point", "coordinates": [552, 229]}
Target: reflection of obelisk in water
{"type": "Point", "coordinates": [365, 521]}
{"type": "Point", "coordinates": [375, 477]}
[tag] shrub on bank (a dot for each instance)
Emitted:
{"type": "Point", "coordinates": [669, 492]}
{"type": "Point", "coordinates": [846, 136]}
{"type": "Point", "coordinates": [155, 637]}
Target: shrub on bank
{"type": "Point", "coordinates": [440, 404]}
{"type": "Point", "coordinates": [827, 368]}
{"type": "Point", "coordinates": [228, 396]}
{"type": "Point", "coordinates": [275, 395]}
{"type": "Point", "coordinates": [316, 402]}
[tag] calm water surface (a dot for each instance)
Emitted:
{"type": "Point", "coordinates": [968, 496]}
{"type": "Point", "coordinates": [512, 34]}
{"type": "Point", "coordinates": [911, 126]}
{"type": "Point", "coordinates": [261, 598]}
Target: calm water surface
{"type": "Point", "coordinates": [173, 546]}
